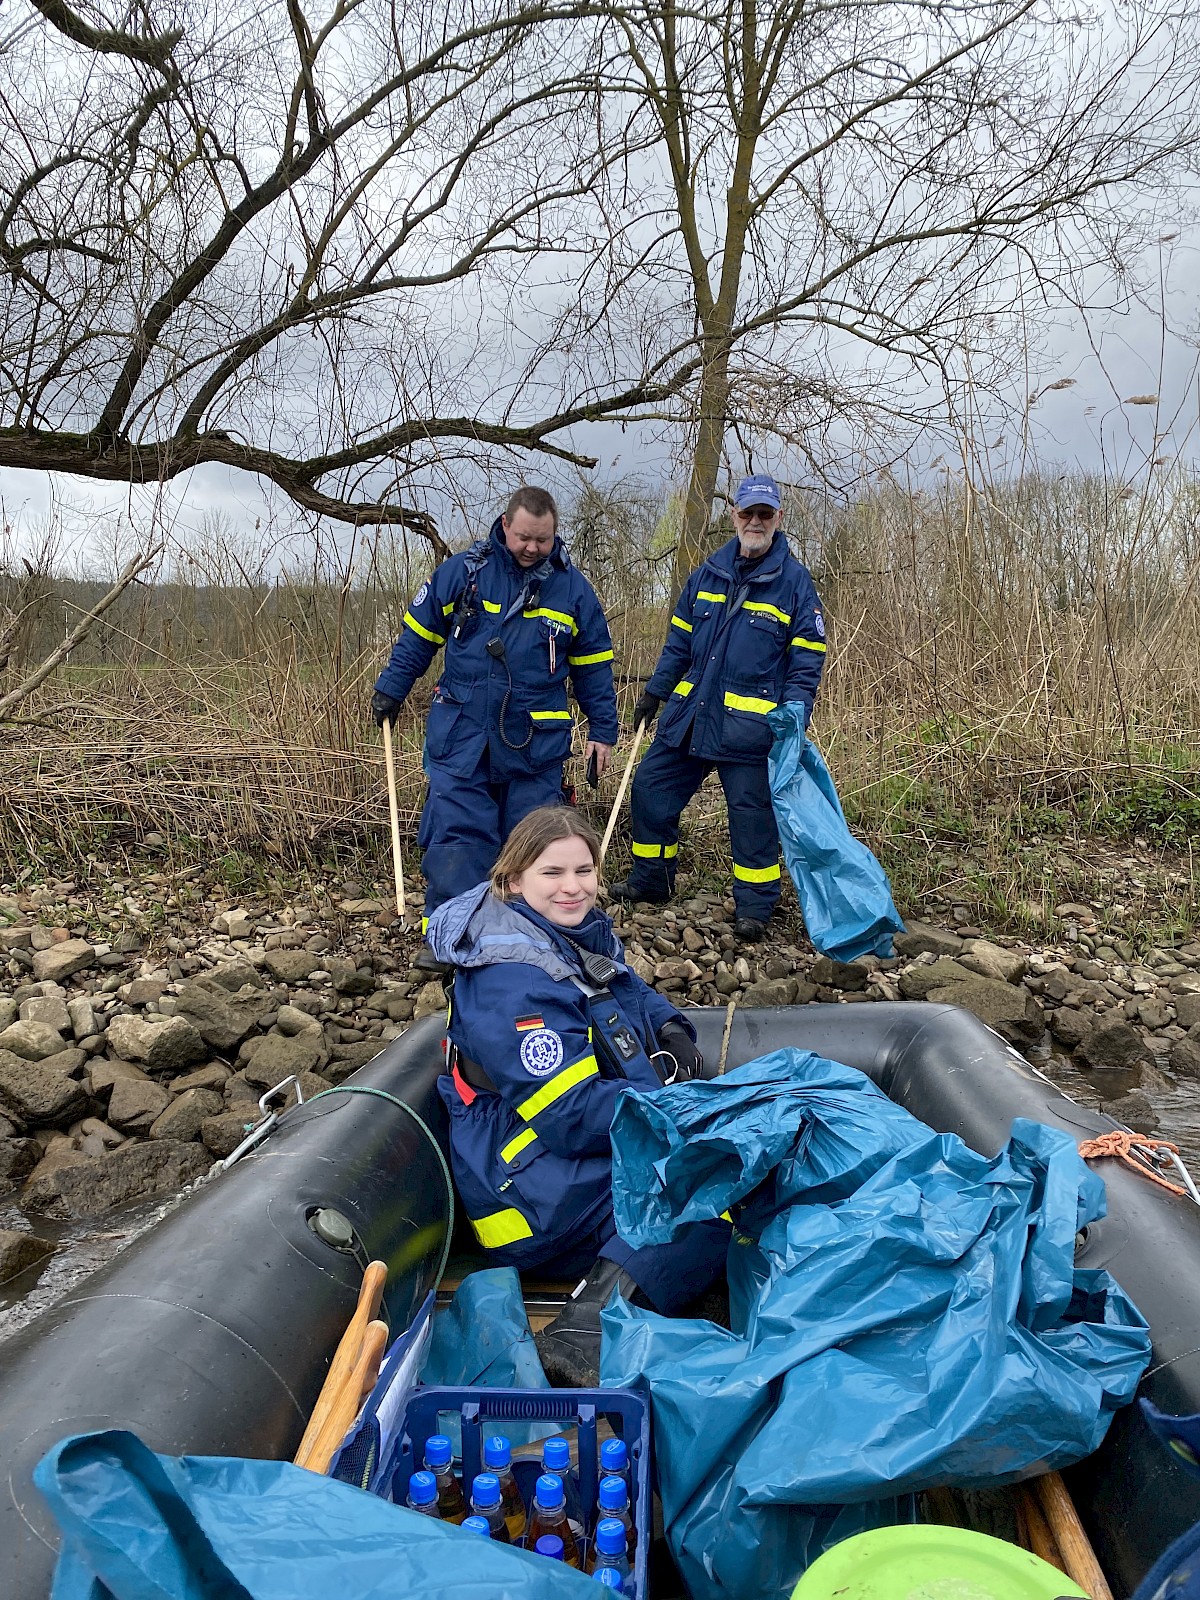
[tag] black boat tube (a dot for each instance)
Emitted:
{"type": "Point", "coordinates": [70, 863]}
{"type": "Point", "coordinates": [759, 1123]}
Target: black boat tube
{"type": "Point", "coordinates": [212, 1333]}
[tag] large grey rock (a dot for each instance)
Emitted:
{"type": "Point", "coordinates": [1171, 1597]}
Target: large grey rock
{"type": "Point", "coordinates": [235, 975]}
{"type": "Point", "coordinates": [1185, 1058]}
{"type": "Point", "coordinates": [1114, 1047]}
{"type": "Point", "coordinates": [138, 1170]}
{"type": "Point", "coordinates": [223, 1133]}
{"type": "Point", "coordinates": [82, 1017]}
{"type": "Point", "coordinates": [1070, 1027]}
{"type": "Point", "coordinates": [48, 1009]}
{"type": "Point", "coordinates": [849, 975]}
{"type": "Point", "coordinates": [770, 992]}
{"type": "Point", "coordinates": [182, 1118]}
{"type": "Point", "coordinates": [347, 977]}
{"type": "Point", "coordinates": [37, 1095]}
{"type": "Point", "coordinates": [277, 1057]}
{"type": "Point", "coordinates": [8, 1011]}
{"type": "Point", "coordinates": [1187, 1010]}
{"type": "Point", "coordinates": [1012, 1012]}
{"type": "Point", "coordinates": [31, 1040]}
{"type": "Point", "coordinates": [431, 1000]}
{"type": "Point", "coordinates": [167, 1047]}
{"type": "Point", "coordinates": [1134, 1110]}
{"type": "Point", "coordinates": [353, 1056]}
{"type": "Point", "coordinates": [994, 961]}
{"type": "Point", "coordinates": [18, 1158]}
{"type": "Point", "coordinates": [291, 966]}
{"type": "Point", "coordinates": [69, 1061]}
{"type": "Point", "coordinates": [102, 1074]}
{"type": "Point", "coordinates": [61, 960]}
{"type": "Point", "coordinates": [915, 982]}
{"type": "Point", "coordinates": [133, 1106]}
{"type": "Point", "coordinates": [20, 1250]}
{"type": "Point", "coordinates": [290, 1020]}
{"type": "Point", "coordinates": [213, 1076]}
{"type": "Point", "coordinates": [922, 938]}
{"type": "Point", "coordinates": [222, 1019]}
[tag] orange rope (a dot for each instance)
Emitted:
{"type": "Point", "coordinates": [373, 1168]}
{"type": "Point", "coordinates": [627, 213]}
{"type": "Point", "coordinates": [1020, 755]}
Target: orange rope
{"type": "Point", "coordinates": [1129, 1147]}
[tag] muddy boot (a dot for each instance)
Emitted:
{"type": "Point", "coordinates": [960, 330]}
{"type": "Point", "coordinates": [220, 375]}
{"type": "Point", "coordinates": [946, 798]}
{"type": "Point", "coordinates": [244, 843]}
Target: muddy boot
{"type": "Point", "coordinates": [569, 1347]}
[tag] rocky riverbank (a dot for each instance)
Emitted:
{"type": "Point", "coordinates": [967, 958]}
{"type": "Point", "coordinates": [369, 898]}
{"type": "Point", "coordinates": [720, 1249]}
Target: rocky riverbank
{"type": "Point", "coordinates": [142, 1017]}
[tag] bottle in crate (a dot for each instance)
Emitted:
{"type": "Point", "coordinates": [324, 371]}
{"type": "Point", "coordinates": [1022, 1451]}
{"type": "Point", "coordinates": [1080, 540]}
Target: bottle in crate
{"type": "Point", "coordinates": [614, 1460]}
{"type": "Point", "coordinates": [550, 1546]}
{"type": "Point", "coordinates": [485, 1502]}
{"type": "Point", "coordinates": [610, 1548]}
{"type": "Point", "coordinates": [476, 1525]}
{"type": "Point", "coordinates": [423, 1494]}
{"type": "Point", "coordinates": [497, 1458]}
{"type": "Point", "coordinates": [610, 1578]}
{"type": "Point", "coordinates": [556, 1463]}
{"type": "Point", "coordinates": [548, 1514]}
{"type": "Point", "coordinates": [439, 1456]}
{"type": "Point", "coordinates": [613, 1501]}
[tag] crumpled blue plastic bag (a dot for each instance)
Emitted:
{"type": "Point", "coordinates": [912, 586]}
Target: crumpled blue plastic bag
{"type": "Point", "coordinates": [922, 1323]}
{"type": "Point", "coordinates": [139, 1526]}
{"type": "Point", "coordinates": [844, 893]}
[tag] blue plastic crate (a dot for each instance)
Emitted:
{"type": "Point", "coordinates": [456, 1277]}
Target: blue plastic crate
{"type": "Point", "coordinates": [481, 1410]}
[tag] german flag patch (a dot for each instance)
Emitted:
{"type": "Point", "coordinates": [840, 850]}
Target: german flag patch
{"type": "Point", "coordinates": [525, 1024]}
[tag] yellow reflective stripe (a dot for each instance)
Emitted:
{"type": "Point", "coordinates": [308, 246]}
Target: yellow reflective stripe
{"type": "Point", "coordinates": [725, 1217]}
{"type": "Point", "coordinates": [707, 594]}
{"type": "Point", "coordinates": [448, 608]}
{"type": "Point", "coordinates": [683, 687]}
{"type": "Point", "coordinates": [501, 1228]}
{"type": "Point", "coordinates": [426, 633]}
{"type": "Point", "coordinates": [590, 661]}
{"type": "Point", "coordinates": [772, 611]}
{"type": "Point", "coordinates": [749, 702]}
{"type": "Point", "coordinates": [678, 622]}
{"type": "Point", "coordinates": [756, 874]}
{"type": "Point", "coordinates": [552, 616]}
{"type": "Point", "coordinates": [558, 1085]}
{"type": "Point", "coordinates": [655, 852]}
{"type": "Point", "coordinates": [514, 1146]}
{"type": "Point", "coordinates": [424, 924]}
{"type": "Point", "coordinates": [551, 716]}
{"type": "Point", "coordinates": [491, 605]}
{"type": "Point", "coordinates": [808, 644]}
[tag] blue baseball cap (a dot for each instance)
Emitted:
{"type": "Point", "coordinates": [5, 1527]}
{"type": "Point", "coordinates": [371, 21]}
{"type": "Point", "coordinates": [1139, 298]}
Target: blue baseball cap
{"type": "Point", "coordinates": [758, 490]}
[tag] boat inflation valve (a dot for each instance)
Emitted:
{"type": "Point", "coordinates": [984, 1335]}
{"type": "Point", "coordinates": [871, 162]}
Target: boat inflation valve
{"type": "Point", "coordinates": [334, 1228]}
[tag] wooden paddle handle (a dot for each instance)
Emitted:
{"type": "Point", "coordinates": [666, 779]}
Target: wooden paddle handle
{"type": "Point", "coordinates": [1078, 1557]}
{"type": "Point", "coordinates": [349, 1398]}
{"type": "Point", "coordinates": [1035, 1528]}
{"type": "Point", "coordinates": [639, 735]}
{"type": "Point", "coordinates": [345, 1356]}
{"type": "Point", "coordinates": [389, 761]}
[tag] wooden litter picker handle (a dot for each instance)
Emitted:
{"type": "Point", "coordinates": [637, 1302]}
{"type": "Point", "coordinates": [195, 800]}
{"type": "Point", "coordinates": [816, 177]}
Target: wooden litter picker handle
{"type": "Point", "coordinates": [345, 1359]}
{"type": "Point", "coordinates": [359, 1381]}
{"type": "Point", "coordinates": [389, 757]}
{"type": "Point", "coordinates": [1078, 1557]}
{"type": "Point", "coordinates": [612, 817]}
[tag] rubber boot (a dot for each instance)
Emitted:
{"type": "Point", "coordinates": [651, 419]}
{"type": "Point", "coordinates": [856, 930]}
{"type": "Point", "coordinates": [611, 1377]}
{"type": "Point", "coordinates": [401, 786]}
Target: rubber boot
{"type": "Point", "coordinates": [569, 1347]}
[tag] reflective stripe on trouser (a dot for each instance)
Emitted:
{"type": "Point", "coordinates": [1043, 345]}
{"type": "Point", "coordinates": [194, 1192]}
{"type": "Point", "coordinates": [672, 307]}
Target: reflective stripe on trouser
{"type": "Point", "coordinates": [664, 783]}
{"type": "Point", "coordinates": [465, 821]}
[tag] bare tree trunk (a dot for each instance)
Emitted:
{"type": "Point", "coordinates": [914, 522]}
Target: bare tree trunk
{"type": "Point", "coordinates": [706, 464]}
{"type": "Point", "coordinates": [10, 701]}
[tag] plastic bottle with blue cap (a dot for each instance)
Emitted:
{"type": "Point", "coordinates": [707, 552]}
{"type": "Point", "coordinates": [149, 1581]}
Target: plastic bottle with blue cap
{"type": "Point", "coordinates": [478, 1525]}
{"type": "Point", "coordinates": [614, 1461]}
{"type": "Point", "coordinates": [550, 1546]}
{"type": "Point", "coordinates": [610, 1548]}
{"type": "Point", "coordinates": [613, 1501]}
{"type": "Point", "coordinates": [485, 1502]}
{"type": "Point", "coordinates": [423, 1494]}
{"type": "Point", "coordinates": [439, 1459]}
{"type": "Point", "coordinates": [497, 1458]}
{"type": "Point", "coordinates": [610, 1578]}
{"type": "Point", "coordinates": [556, 1462]}
{"type": "Point", "coordinates": [548, 1515]}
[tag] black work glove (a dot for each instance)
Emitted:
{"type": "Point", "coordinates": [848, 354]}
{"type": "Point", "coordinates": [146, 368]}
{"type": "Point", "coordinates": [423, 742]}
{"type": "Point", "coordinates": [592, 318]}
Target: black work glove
{"type": "Point", "coordinates": [646, 709]}
{"type": "Point", "coordinates": [384, 708]}
{"type": "Point", "coordinates": [673, 1036]}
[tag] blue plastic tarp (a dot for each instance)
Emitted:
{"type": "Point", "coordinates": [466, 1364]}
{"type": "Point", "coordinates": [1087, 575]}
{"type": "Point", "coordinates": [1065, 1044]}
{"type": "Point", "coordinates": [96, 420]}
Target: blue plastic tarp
{"type": "Point", "coordinates": [139, 1526]}
{"type": "Point", "coordinates": [844, 893]}
{"type": "Point", "coordinates": [905, 1313]}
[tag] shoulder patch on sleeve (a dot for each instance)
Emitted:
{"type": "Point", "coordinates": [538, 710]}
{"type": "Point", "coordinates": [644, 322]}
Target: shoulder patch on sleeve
{"type": "Point", "coordinates": [421, 595]}
{"type": "Point", "coordinates": [820, 625]}
{"type": "Point", "coordinates": [541, 1052]}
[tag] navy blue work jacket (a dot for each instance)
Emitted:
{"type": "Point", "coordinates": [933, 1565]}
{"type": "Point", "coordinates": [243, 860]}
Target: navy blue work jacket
{"type": "Point", "coordinates": [552, 628]}
{"type": "Point", "coordinates": [737, 649]}
{"type": "Point", "coordinates": [532, 1160]}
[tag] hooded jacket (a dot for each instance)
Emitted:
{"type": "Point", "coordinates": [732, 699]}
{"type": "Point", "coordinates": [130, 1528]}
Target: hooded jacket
{"type": "Point", "coordinates": [512, 704]}
{"type": "Point", "coordinates": [531, 1156]}
{"type": "Point", "coordinates": [742, 640]}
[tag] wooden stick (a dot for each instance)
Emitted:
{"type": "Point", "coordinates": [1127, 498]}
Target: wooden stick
{"type": "Point", "coordinates": [349, 1398]}
{"type": "Point", "coordinates": [1038, 1536]}
{"type": "Point", "coordinates": [394, 810]}
{"type": "Point", "coordinates": [724, 1056]}
{"type": "Point", "coordinates": [1079, 1559]}
{"type": "Point", "coordinates": [612, 819]}
{"type": "Point", "coordinates": [345, 1356]}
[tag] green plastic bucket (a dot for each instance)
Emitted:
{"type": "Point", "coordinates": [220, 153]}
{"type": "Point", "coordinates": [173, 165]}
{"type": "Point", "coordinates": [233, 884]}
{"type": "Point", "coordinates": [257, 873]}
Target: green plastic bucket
{"type": "Point", "coordinates": [923, 1561]}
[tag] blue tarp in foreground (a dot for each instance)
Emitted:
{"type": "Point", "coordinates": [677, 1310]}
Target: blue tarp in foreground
{"type": "Point", "coordinates": [905, 1313]}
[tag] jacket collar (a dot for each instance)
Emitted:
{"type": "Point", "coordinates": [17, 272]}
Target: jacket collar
{"type": "Point", "coordinates": [557, 560]}
{"type": "Point", "coordinates": [476, 929]}
{"type": "Point", "coordinates": [723, 560]}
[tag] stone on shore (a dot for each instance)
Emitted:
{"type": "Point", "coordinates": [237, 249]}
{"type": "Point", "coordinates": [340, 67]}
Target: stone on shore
{"type": "Point", "coordinates": [167, 1047]}
{"type": "Point", "coordinates": [1114, 1047]}
{"type": "Point", "coordinates": [61, 960]}
{"type": "Point", "coordinates": [136, 1171]}
{"type": "Point", "coordinates": [134, 1106]}
{"type": "Point", "coordinates": [31, 1040]}
{"type": "Point", "coordinates": [39, 1096]}
{"type": "Point", "coordinates": [922, 938]}
{"type": "Point", "coordinates": [181, 1120]}
{"type": "Point", "coordinates": [1012, 1012]}
{"type": "Point", "coordinates": [220, 1018]}
{"type": "Point", "coordinates": [993, 961]}
{"type": "Point", "coordinates": [20, 1250]}
{"type": "Point", "coordinates": [915, 983]}
{"type": "Point", "coordinates": [18, 1158]}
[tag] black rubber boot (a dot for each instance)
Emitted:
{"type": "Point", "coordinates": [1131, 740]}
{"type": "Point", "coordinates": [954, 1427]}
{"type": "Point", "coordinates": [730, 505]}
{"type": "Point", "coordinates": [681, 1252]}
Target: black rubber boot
{"type": "Point", "coordinates": [569, 1347]}
{"type": "Point", "coordinates": [621, 891]}
{"type": "Point", "coordinates": [426, 961]}
{"type": "Point", "coordinates": [749, 930]}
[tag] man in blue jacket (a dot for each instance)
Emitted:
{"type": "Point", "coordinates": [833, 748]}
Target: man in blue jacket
{"type": "Point", "coordinates": [517, 620]}
{"type": "Point", "coordinates": [746, 635]}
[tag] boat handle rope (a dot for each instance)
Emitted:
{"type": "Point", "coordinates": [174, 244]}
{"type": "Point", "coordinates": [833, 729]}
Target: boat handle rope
{"type": "Point", "coordinates": [1138, 1152]}
{"type": "Point", "coordinates": [382, 1094]}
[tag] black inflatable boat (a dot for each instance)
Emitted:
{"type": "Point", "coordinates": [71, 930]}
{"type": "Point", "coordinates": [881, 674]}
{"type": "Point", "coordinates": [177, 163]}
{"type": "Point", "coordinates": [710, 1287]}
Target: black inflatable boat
{"type": "Point", "coordinates": [212, 1333]}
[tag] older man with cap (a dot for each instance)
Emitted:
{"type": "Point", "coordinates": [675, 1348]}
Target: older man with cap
{"type": "Point", "coordinates": [746, 634]}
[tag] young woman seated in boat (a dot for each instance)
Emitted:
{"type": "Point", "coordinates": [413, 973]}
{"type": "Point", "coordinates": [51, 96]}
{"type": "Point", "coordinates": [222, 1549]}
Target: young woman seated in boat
{"type": "Point", "coordinates": [547, 1024]}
